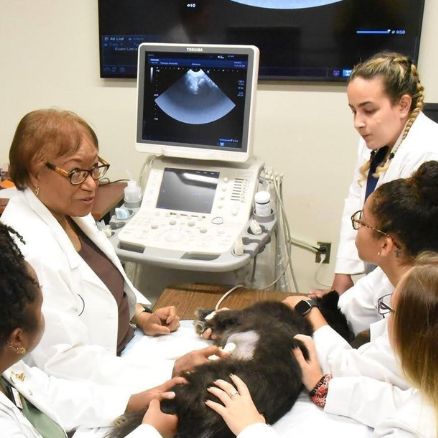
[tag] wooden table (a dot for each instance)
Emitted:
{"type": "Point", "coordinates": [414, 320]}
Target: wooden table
{"type": "Point", "coordinates": [187, 298]}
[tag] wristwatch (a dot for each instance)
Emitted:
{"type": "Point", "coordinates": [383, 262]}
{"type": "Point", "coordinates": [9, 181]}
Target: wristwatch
{"type": "Point", "coordinates": [303, 307]}
{"type": "Point", "coordinates": [146, 308]}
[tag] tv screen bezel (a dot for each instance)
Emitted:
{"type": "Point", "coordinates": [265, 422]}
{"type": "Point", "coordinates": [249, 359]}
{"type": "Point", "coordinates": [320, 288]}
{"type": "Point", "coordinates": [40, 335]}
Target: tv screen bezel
{"type": "Point", "coordinates": [269, 72]}
{"type": "Point", "coordinates": [192, 150]}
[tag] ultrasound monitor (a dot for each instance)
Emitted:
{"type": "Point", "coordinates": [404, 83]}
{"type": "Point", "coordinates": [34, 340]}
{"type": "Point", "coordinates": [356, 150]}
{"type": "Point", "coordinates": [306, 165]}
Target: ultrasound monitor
{"type": "Point", "coordinates": [196, 101]}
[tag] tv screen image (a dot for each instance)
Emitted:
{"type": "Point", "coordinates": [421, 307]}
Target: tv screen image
{"type": "Point", "coordinates": [311, 40]}
{"type": "Point", "coordinates": [285, 4]}
{"type": "Point", "coordinates": [194, 98]}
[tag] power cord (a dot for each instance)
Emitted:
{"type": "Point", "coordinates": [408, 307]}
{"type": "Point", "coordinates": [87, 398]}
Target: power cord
{"type": "Point", "coordinates": [146, 165]}
{"type": "Point", "coordinates": [322, 256]}
{"type": "Point", "coordinates": [226, 294]}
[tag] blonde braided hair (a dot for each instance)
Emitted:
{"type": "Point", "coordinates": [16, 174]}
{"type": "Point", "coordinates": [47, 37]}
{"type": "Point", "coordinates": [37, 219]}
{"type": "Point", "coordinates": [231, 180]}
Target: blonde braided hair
{"type": "Point", "coordinates": [400, 76]}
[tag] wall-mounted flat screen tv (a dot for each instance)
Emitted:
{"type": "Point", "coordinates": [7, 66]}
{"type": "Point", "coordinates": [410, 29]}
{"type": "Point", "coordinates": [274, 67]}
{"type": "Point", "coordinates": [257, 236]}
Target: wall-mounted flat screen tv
{"type": "Point", "coordinates": [298, 39]}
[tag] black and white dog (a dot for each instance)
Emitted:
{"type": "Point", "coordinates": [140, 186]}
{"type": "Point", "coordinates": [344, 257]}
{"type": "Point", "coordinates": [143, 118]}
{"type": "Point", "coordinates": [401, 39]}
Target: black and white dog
{"type": "Point", "coordinates": [260, 338]}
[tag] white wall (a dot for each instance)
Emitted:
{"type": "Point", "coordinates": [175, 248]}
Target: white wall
{"type": "Point", "coordinates": [49, 58]}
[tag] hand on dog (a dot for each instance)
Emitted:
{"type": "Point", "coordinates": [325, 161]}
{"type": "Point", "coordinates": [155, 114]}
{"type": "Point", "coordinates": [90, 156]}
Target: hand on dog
{"type": "Point", "coordinates": [293, 300]}
{"type": "Point", "coordinates": [197, 357]}
{"type": "Point", "coordinates": [162, 322]}
{"type": "Point", "coordinates": [140, 402]}
{"type": "Point", "coordinates": [310, 368]}
{"type": "Point", "coordinates": [238, 409]}
{"type": "Point", "coordinates": [165, 424]}
{"type": "Point", "coordinates": [317, 293]}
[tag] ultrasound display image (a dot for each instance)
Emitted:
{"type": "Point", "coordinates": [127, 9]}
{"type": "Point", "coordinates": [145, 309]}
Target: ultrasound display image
{"type": "Point", "coordinates": [195, 99]}
{"type": "Point", "coordinates": [285, 4]}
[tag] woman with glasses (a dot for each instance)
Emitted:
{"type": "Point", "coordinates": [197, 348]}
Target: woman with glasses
{"type": "Point", "coordinates": [403, 215]}
{"type": "Point", "coordinates": [90, 305]}
{"type": "Point", "coordinates": [412, 316]}
{"type": "Point", "coordinates": [397, 223]}
{"type": "Point", "coordinates": [386, 98]}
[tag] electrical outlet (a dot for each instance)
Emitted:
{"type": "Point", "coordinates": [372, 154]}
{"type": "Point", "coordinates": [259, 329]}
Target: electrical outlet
{"type": "Point", "coordinates": [324, 248]}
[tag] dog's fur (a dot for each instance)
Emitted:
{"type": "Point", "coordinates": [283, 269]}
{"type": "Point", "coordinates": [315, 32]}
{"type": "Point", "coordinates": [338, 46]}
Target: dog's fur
{"type": "Point", "coordinates": [264, 337]}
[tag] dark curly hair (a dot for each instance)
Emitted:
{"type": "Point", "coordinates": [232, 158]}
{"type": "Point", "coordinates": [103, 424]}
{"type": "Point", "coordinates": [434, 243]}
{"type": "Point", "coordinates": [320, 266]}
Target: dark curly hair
{"type": "Point", "coordinates": [18, 288]}
{"type": "Point", "coordinates": [408, 210]}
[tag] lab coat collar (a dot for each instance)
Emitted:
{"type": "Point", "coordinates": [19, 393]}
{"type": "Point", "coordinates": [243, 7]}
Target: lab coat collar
{"type": "Point", "coordinates": [18, 376]}
{"type": "Point", "coordinates": [54, 226]}
{"type": "Point", "coordinates": [86, 224]}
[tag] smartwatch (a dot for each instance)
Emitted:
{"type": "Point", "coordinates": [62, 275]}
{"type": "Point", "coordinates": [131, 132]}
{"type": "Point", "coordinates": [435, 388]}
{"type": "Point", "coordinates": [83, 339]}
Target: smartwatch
{"type": "Point", "coordinates": [303, 307]}
{"type": "Point", "coordinates": [146, 308]}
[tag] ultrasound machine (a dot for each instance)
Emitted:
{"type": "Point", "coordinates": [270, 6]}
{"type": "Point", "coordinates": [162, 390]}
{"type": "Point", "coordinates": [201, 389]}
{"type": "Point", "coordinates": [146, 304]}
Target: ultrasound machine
{"type": "Point", "coordinates": [195, 116]}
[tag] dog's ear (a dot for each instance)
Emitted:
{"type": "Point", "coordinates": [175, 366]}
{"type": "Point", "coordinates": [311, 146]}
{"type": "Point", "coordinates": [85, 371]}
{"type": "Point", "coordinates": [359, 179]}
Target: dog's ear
{"type": "Point", "coordinates": [302, 347]}
{"type": "Point", "coordinates": [125, 424]}
{"type": "Point", "coordinates": [328, 305]}
{"type": "Point", "coordinates": [329, 300]}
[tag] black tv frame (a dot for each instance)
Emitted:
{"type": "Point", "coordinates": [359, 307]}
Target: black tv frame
{"type": "Point", "coordinates": [308, 44]}
{"type": "Point", "coordinates": [431, 111]}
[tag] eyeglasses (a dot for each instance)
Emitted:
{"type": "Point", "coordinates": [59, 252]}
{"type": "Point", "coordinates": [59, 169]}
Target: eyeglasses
{"type": "Point", "coordinates": [357, 222]}
{"type": "Point", "coordinates": [383, 305]}
{"type": "Point", "coordinates": [78, 176]}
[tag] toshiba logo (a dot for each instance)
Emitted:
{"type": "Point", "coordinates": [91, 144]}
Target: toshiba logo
{"type": "Point", "coordinates": [194, 49]}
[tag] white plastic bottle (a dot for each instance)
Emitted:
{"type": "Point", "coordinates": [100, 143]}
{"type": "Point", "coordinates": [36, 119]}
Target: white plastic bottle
{"type": "Point", "coordinates": [262, 202]}
{"type": "Point", "coordinates": [132, 195]}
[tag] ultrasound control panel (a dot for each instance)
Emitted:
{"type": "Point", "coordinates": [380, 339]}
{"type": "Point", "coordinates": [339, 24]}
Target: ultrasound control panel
{"type": "Point", "coordinates": [192, 211]}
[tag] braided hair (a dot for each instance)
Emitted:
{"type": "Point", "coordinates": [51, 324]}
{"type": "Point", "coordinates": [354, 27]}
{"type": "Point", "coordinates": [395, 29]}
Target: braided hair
{"type": "Point", "coordinates": [18, 288]}
{"type": "Point", "coordinates": [400, 77]}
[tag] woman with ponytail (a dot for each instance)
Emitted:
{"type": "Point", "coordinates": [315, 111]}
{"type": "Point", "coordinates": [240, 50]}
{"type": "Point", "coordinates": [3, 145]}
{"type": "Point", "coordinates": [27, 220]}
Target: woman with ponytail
{"type": "Point", "coordinates": [386, 98]}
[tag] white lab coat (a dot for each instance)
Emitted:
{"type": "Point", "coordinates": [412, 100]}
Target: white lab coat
{"type": "Point", "coordinates": [420, 145]}
{"type": "Point", "coordinates": [144, 431]}
{"type": "Point", "coordinates": [399, 426]}
{"type": "Point", "coordinates": [81, 313]}
{"type": "Point", "coordinates": [70, 404]}
{"type": "Point", "coordinates": [368, 384]}
{"type": "Point", "coordinates": [359, 303]}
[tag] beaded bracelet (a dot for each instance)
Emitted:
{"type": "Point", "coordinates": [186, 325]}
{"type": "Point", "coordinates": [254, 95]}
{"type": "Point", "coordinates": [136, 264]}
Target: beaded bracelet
{"type": "Point", "coordinates": [318, 394]}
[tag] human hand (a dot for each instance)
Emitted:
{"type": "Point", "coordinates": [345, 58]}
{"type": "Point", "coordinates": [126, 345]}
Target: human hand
{"type": "Point", "coordinates": [238, 409]}
{"type": "Point", "coordinates": [293, 300]}
{"type": "Point", "coordinates": [317, 293]}
{"type": "Point", "coordinates": [168, 317]}
{"type": "Point", "coordinates": [161, 322]}
{"type": "Point", "coordinates": [342, 282]}
{"type": "Point", "coordinates": [195, 358]}
{"type": "Point", "coordinates": [310, 368]}
{"type": "Point", "coordinates": [165, 424]}
{"type": "Point", "coordinates": [139, 402]}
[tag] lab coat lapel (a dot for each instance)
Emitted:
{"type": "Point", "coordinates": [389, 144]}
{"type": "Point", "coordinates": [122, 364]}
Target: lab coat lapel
{"type": "Point", "coordinates": [54, 227]}
{"type": "Point", "coordinates": [102, 242]}
{"type": "Point", "coordinates": [17, 376]}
